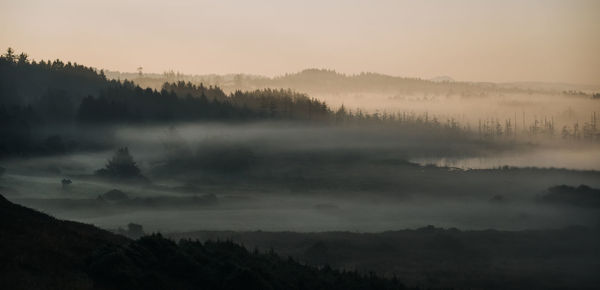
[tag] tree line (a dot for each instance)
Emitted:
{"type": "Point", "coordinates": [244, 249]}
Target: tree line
{"type": "Point", "coordinates": [38, 94]}
{"type": "Point", "coordinates": [55, 92]}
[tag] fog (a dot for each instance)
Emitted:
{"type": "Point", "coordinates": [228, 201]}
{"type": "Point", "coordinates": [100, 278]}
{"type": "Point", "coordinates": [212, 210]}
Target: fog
{"type": "Point", "coordinates": [469, 110]}
{"type": "Point", "coordinates": [290, 214]}
{"type": "Point", "coordinates": [524, 107]}
{"type": "Point", "coordinates": [275, 176]}
{"type": "Point", "coordinates": [580, 158]}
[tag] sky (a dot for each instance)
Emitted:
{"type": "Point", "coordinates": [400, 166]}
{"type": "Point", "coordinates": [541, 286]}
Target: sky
{"type": "Point", "coordinates": [468, 40]}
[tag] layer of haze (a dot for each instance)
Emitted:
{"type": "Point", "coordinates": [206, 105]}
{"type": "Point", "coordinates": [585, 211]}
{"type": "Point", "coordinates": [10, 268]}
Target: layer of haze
{"type": "Point", "coordinates": [467, 40]}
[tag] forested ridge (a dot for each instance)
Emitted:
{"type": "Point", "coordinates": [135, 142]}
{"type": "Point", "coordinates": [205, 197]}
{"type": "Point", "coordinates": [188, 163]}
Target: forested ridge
{"type": "Point", "coordinates": [55, 91]}
{"type": "Point", "coordinates": [36, 96]}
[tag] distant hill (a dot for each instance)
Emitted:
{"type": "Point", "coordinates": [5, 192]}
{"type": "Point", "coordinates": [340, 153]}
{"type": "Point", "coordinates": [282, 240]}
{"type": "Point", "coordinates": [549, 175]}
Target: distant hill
{"type": "Point", "coordinates": [40, 252]}
{"type": "Point", "coordinates": [442, 79]}
{"type": "Point", "coordinates": [582, 196]}
{"type": "Point", "coordinates": [319, 81]}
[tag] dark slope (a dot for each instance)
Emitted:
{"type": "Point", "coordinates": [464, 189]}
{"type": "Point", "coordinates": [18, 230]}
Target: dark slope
{"type": "Point", "coordinates": [41, 252]}
{"type": "Point", "coordinates": [215, 265]}
{"type": "Point", "coordinates": [433, 257]}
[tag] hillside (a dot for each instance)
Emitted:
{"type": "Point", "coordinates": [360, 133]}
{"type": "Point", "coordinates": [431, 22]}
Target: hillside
{"type": "Point", "coordinates": [435, 257]}
{"type": "Point", "coordinates": [326, 81]}
{"type": "Point", "coordinates": [41, 252]}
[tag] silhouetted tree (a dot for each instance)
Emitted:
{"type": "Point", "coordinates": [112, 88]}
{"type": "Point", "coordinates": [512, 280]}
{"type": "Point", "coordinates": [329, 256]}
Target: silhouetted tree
{"type": "Point", "coordinates": [9, 55]}
{"type": "Point", "coordinates": [121, 166]}
{"type": "Point", "coordinates": [22, 59]}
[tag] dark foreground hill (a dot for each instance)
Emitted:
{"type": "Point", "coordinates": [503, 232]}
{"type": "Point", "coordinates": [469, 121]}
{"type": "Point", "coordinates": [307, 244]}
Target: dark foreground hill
{"type": "Point", "coordinates": [431, 257]}
{"type": "Point", "coordinates": [41, 252]}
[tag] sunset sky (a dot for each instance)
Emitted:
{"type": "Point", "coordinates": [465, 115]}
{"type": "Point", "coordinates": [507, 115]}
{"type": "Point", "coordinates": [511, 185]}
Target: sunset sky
{"type": "Point", "coordinates": [467, 40]}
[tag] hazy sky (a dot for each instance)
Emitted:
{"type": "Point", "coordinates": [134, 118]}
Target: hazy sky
{"type": "Point", "coordinates": [538, 40]}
